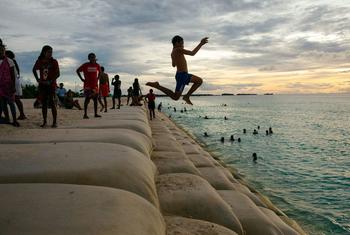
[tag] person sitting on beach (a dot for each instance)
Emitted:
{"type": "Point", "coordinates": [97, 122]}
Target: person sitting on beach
{"type": "Point", "coordinates": [61, 93]}
{"type": "Point", "coordinates": [7, 86]}
{"type": "Point", "coordinates": [19, 91]}
{"type": "Point", "coordinates": [137, 93]}
{"type": "Point", "coordinates": [182, 76]}
{"type": "Point", "coordinates": [104, 89]}
{"type": "Point", "coordinates": [150, 97]}
{"type": "Point", "coordinates": [129, 95]}
{"type": "Point", "coordinates": [117, 93]}
{"type": "Point", "coordinates": [91, 71]}
{"type": "Point", "coordinates": [49, 72]}
{"type": "Point", "coordinates": [69, 102]}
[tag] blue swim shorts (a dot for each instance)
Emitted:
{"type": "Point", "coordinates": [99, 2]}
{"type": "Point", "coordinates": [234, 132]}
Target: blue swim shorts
{"type": "Point", "coordinates": [182, 79]}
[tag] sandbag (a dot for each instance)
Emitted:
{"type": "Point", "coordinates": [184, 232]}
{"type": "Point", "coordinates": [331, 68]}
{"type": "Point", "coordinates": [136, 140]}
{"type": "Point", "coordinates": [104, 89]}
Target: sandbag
{"type": "Point", "coordinates": [201, 160]}
{"type": "Point", "coordinates": [286, 229]}
{"type": "Point", "coordinates": [185, 226]}
{"type": "Point", "coordinates": [171, 165]}
{"type": "Point", "coordinates": [135, 125]}
{"type": "Point", "coordinates": [100, 164]}
{"type": "Point", "coordinates": [255, 198]}
{"type": "Point", "coordinates": [166, 145]}
{"type": "Point", "coordinates": [253, 220]}
{"type": "Point", "coordinates": [56, 209]}
{"type": "Point", "coordinates": [126, 137]}
{"type": "Point", "coordinates": [169, 155]}
{"type": "Point", "coordinates": [190, 196]}
{"type": "Point", "coordinates": [216, 177]}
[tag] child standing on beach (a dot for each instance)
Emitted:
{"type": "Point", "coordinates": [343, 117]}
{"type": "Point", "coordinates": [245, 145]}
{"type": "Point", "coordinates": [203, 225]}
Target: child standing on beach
{"type": "Point", "coordinates": [91, 71]}
{"type": "Point", "coordinates": [7, 84]}
{"type": "Point", "coordinates": [136, 93]}
{"type": "Point", "coordinates": [49, 72]}
{"type": "Point", "coordinates": [104, 88]}
{"type": "Point", "coordinates": [182, 76]}
{"type": "Point", "coordinates": [150, 98]}
{"type": "Point", "coordinates": [117, 93]}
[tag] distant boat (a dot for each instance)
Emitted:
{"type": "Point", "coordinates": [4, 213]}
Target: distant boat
{"type": "Point", "coordinates": [268, 94]}
{"type": "Point", "coordinates": [226, 94]}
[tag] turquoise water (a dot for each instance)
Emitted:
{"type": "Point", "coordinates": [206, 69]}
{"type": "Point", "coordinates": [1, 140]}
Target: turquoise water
{"type": "Point", "coordinates": [303, 167]}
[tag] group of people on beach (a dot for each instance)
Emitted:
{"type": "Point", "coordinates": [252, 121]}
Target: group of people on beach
{"type": "Point", "coordinates": [46, 72]}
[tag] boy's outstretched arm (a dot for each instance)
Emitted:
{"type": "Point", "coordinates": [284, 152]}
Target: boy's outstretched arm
{"type": "Point", "coordinates": [196, 49]}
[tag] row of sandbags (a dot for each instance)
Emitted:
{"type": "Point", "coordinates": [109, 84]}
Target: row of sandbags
{"type": "Point", "coordinates": [193, 188]}
{"type": "Point", "coordinates": [93, 177]}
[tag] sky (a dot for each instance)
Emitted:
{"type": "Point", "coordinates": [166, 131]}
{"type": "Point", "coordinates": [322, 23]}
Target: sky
{"type": "Point", "coordinates": [255, 46]}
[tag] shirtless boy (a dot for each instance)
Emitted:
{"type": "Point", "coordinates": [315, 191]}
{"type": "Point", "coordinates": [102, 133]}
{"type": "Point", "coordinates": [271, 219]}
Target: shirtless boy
{"type": "Point", "coordinates": [182, 76]}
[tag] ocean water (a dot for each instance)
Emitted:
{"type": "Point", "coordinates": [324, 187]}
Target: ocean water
{"type": "Point", "coordinates": [303, 167]}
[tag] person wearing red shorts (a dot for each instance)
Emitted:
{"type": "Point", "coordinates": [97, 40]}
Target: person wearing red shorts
{"type": "Point", "coordinates": [104, 89]}
{"type": "Point", "coordinates": [91, 71]}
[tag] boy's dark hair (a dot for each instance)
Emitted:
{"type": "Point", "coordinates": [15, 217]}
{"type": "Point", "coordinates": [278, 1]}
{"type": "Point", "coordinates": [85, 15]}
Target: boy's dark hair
{"type": "Point", "coordinates": [91, 55]}
{"type": "Point", "coordinates": [176, 39]}
{"type": "Point", "coordinates": [10, 54]}
{"type": "Point", "coordinates": [102, 68]}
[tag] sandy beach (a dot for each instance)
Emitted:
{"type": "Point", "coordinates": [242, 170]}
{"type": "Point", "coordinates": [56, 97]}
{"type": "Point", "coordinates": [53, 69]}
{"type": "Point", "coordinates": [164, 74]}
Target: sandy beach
{"type": "Point", "coordinates": [150, 175]}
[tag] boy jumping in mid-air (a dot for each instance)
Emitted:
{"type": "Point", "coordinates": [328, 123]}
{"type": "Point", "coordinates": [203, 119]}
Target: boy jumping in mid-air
{"type": "Point", "coordinates": [182, 76]}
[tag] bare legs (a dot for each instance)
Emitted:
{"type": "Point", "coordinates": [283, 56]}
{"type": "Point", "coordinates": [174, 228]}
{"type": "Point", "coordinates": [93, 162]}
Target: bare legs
{"type": "Point", "coordinates": [100, 101]}
{"type": "Point", "coordinates": [174, 95]}
{"type": "Point", "coordinates": [45, 102]}
{"type": "Point", "coordinates": [86, 103]}
{"type": "Point", "coordinates": [152, 114]}
{"type": "Point", "coordinates": [197, 81]}
{"type": "Point", "coordinates": [19, 104]}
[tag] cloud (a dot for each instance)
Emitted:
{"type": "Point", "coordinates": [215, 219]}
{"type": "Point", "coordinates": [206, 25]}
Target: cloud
{"type": "Point", "coordinates": [133, 37]}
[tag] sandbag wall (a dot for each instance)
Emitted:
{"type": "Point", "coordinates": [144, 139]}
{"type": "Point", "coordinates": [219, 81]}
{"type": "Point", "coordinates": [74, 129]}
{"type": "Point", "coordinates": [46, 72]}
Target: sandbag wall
{"type": "Point", "coordinates": [93, 177]}
{"type": "Point", "coordinates": [199, 195]}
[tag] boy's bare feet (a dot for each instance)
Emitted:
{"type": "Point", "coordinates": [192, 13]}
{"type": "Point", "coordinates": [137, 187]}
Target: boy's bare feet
{"type": "Point", "coordinates": [21, 117]}
{"type": "Point", "coordinates": [97, 116]}
{"type": "Point", "coordinates": [16, 124]}
{"type": "Point", "coordinates": [153, 84]}
{"type": "Point", "coordinates": [187, 100]}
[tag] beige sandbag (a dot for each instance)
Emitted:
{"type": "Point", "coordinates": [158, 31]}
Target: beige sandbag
{"type": "Point", "coordinates": [169, 155]}
{"type": "Point", "coordinates": [185, 226]}
{"type": "Point", "coordinates": [255, 198]}
{"type": "Point", "coordinates": [216, 177]}
{"type": "Point", "coordinates": [166, 145]}
{"type": "Point", "coordinates": [100, 164]}
{"type": "Point", "coordinates": [200, 160]}
{"type": "Point", "coordinates": [287, 230]}
{"type": "Point", "coordinates": [191, 196]}
{"type": "Point", "coordinates": [171, 165]}
{"type": "Point", "coordinates": [126, 137]}
{"type": "Point", "coordinates": [253, 220]}
{"type": "Point", "coordinates": [135, 125]}
{"type": "Point", "coordinates": [140, 116]}
{"type": "Point", "coordinates": [190, 148]}
{"type": "Point", "coordinates": [56, 209]}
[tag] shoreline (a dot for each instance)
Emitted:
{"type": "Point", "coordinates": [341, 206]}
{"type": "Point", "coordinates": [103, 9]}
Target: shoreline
{"type": "Point", "coordinates": [164, 178]}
